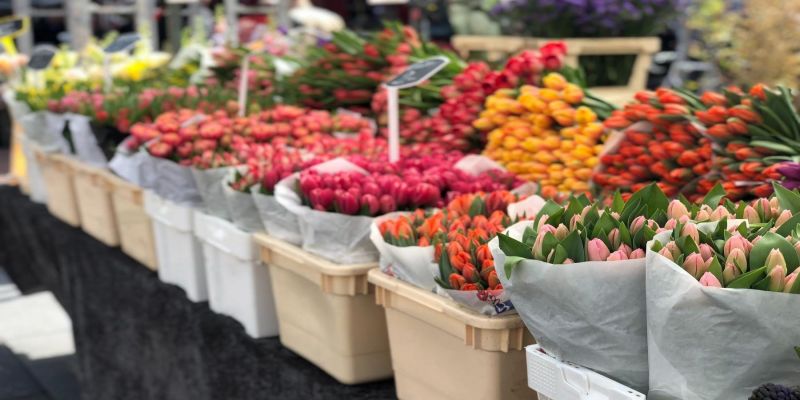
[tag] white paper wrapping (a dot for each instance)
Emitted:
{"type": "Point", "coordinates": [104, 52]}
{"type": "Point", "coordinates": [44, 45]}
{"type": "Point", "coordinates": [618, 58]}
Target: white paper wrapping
{"type": "Point", "coordinates": [170, 180]}
{"type": "Point", "coordinates": [17, 108]}
{"type": "Point", "coordinates": [411, 264]}
{"type": "Point", "coordinates": [590, 313]}
{"type": "Point", "coordinates": [46, 130]}
{"type": "Point", "coordinates": [713, 343]}
{"type": "Point", "coordinates": [343, 239]}
{"type": "Point", "coordinates": [36, 183]}
{"type": "Point", "coordinates": [278, 221]}
{"type": "Point", "coordinates": [128, 164]}
{"type": "Point", "coordinates": [241, 206]}
{"type": "Point", "coordinates": [85, 141]}
{"type": "Point", "coordinates": [476, 164]}
{"type": "Point", "coordinates": [210, 186]}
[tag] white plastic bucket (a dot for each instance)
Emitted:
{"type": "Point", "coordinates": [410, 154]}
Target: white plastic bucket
{"type": "Point", "coordinates": [238, 284]}
{"type": "Point", "coordinates": [180, 258]}
{"type": "Point", "coordinates": [558, 380]}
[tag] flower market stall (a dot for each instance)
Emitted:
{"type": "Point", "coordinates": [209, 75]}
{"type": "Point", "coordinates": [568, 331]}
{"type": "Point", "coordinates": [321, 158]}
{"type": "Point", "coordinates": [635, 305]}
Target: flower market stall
{"type": "Point", "coordinates": [304, 220]}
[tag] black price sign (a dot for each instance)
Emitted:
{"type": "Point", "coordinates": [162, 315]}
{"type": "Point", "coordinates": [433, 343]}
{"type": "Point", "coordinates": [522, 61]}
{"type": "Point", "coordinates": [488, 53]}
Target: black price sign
{"type": "Point", "coordinates": [41, 57]}
{"type": "Point", "coordinates": [418, 72]}
{"type": "Point", "coordinates": [123, 43]}
{"type": "Point", "coordinates": [13, 26]}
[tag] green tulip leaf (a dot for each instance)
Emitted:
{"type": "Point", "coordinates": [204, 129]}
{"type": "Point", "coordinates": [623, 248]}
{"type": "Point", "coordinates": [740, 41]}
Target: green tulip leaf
{"type": "Point", "coordinates": [591, 217]}
{"type": "Point", "coordinates": [549, 244]}
{"type": "Point", "coordinates": [789, 200]}
{"type": "Point", "coordinates": [795, 287]}
{"type": "Point", "coordinates": [574, 207]}
{"type": "Point", "coordinates": [618, 204]}
{"type": "Point", "coordinates": [652, 197]}
{"type": "Point", "coordinates": [716, 269]}
{"type": "Point", "coordinates": [789, 226]}
{"type": "Point", "coordinates": [477, 207]}
{"type": "Point", "coordinates": [660, 217]}
{"type": "Point", "coordinates": [573, 244]}
{"type": "Point", "coordinates": [769, 241]}
{"type": "Point", "coordinates": [511, 263]}
{"type": "Point", "coordinates": [631, 209]}
{"type": "Point", "coordinates": [625, 235]}
{"type": "Point", "coordinates": [713, 197]}
{"type": "Point", "coordinates": [797, 350]}
{"type": "Point", "coordinates": [549, 208]}
{"type": "Point", "coordinates": [657, 246]}
{"type": "Point", "coordinates": [746, 280]}
{"type": "Point", "coordinates": [528, 237]}
{"type": "Point", "coordinates": [512, 247]}
{"type": "Point", "coordinates": [560, 255]}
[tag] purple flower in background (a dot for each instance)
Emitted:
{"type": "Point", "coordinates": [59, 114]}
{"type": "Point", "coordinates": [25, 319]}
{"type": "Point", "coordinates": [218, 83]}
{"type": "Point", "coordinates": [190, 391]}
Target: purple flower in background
{"type": "Point", "coordinates": [586, 18]}
{"type": "Point", "coordinates": [791, 175]}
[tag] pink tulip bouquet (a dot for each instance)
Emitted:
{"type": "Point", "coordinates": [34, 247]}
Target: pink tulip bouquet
{"type": "Point", "coordinates": [585, 262]}
{"type": "Point", "coordinates": [733, 281]}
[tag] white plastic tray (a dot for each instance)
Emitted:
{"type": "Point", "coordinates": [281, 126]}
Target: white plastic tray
{"type": "Point", "coordinates": [238, 284]}
{"type": "Point", "coordinates": [558, 380]}
{"type": "Point", "coordinates": [180, 258]}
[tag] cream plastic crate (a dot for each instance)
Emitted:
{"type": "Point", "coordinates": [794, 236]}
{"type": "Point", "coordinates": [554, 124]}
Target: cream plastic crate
{"type": "Point", "coordinates": [558, 380]}
{"type": "Point", "coordinates": [93, 192]}
{"type": "Point", "coordinates": [238, 284]}
{"type": "Point", "coordinates": [133, 224]}
{"type": "Point", "coordinates": [441, 350]}
{"type": "Point", "coordinates": [327, 312]}
{"type": "Point", "coordinates": [58, 175]}
{"type": "Point", "coordinates": [180, 256]}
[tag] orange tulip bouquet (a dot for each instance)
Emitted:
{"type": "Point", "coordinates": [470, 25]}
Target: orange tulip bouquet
{"type": "Point", "coordinates": [447, 249]}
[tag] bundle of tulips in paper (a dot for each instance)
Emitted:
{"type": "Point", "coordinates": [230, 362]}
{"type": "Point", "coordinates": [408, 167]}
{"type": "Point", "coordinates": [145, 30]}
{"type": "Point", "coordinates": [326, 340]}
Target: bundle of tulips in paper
{"type": "Point", "coordinates": [576, 276]}
{"type": "Point", "coordinates": [446, 249]}
{"type": "Point", "coordinates": [726, 291]}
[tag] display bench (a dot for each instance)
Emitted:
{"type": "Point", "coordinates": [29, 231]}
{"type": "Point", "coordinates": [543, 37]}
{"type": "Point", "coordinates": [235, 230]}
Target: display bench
{"type": "Point", "coordinates": [138, 338]}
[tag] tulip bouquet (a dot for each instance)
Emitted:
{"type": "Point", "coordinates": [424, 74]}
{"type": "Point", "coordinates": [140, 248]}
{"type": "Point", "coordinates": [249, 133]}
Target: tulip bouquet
{"type": "Point", "coordinates": [544, 135]}
{"type": "Point", "coordinates": [464, 98]}
{"type": "Point", "coordinates": [737, 281]}
{"type": "Point", "coordinates": [347, 71]}
{"type": "Point", "coordinates": [585, 263]}
{"type": "Point", "coordinates": [410, 242]}
{"type": "Point", "coordinates": [754, 132]}
{"type": "Point", "coordinates": [428, 181]}
{"type": "Point", "coordinates": [657, 142]}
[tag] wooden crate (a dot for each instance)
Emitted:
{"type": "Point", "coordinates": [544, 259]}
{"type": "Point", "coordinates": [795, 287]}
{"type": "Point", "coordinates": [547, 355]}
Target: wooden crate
{"type": "Point", "coordinates": [133, 224]}
{"type": "Point", "coordinates": [58, 174]}
{"type": "Point", "coordinates": [93, 192]}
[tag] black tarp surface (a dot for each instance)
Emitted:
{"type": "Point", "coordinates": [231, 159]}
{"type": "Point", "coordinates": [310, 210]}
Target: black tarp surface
{"type": "Point", "coordinates": [138, 338]}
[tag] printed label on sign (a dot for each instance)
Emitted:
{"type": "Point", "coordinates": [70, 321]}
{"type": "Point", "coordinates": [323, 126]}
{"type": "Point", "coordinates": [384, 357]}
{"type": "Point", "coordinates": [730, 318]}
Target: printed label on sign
{"type": "Point", "coordinates": [41, 57]}
{"type": "Point", "coordinates": [418, 72]}
{"type": "Point", "coordinates": [12, 26]}
{"type": "Point", "coordinates": [123, 43]}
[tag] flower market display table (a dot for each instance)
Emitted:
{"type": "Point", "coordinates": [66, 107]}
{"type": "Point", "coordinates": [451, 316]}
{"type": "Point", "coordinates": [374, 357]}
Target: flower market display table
{"type": "Point", "coordinates": [138, 338]}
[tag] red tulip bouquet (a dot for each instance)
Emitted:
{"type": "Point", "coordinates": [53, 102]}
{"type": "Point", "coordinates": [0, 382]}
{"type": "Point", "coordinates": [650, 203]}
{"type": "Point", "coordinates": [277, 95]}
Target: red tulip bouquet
{"type": "Point", "coordinates": [586, 263]}
{"type": "Point", "coordinates": [735, 282]}
{"type": "Point", "coordinates": [755, 133]}
{"type": "Point", "coordinates": [407, 240]}
{"type": "Point", "coordinates": [657, 141]}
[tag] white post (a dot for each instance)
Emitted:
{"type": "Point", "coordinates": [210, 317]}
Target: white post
{"type": "Point", "coordinates": [394, 123]}
{"type": "Point", "coordinates": [243, 80]}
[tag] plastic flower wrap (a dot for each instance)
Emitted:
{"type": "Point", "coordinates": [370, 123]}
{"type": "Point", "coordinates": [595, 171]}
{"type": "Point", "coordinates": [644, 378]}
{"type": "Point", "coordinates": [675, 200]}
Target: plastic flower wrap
{"type": "Point", "coordinates": [544, 135]}
{"type": "Point", "coordinates": [754, 133]}
{"type": "Point", "coordinates": [586, 262]}
{"type": "Point", "coordinates": [735, 280]}
{"type": "Point", "coordinates": [657, 141]}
